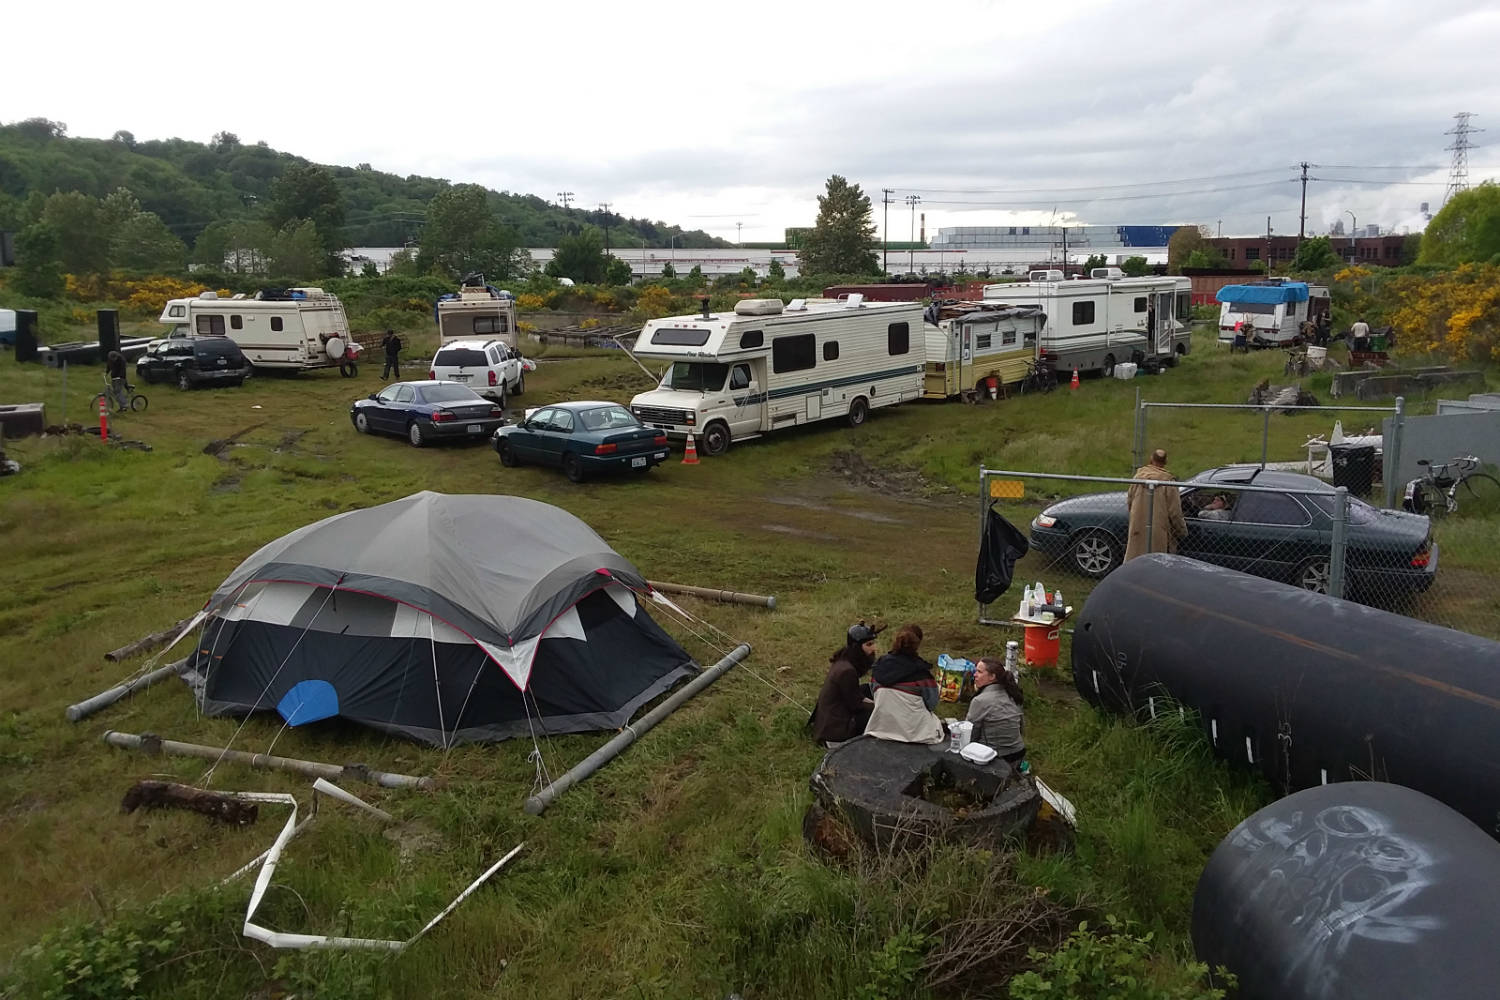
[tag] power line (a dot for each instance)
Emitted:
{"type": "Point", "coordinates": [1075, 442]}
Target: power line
{"type": "Point", "coordinates": [1123, 197]}
{"type": "Point", "coordinates": [1094, 187]}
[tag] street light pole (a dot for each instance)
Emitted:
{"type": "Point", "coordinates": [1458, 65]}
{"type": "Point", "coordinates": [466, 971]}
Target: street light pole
{"type": "Point", "coordinates": [1353, 231]}
{"type": "Point", "coordinates": [913, 200]}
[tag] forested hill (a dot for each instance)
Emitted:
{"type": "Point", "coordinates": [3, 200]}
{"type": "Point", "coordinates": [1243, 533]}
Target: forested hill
{"type": "Point", "coordinates": [190, 184]}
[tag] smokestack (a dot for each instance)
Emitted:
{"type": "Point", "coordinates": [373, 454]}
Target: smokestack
{"type": "Point", "coordinates": [924, 227]}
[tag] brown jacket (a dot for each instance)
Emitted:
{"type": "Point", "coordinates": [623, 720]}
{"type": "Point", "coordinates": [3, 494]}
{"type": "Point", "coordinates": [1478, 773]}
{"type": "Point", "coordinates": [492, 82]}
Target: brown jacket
{"type": "Point", "coordinates": [1162, 518]}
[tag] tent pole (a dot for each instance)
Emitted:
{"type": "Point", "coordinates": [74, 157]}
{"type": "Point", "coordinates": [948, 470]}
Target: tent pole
{"type": "Point", "coordinates": [89, 706]}
{"type": "Point", "coordinates": [609, 751]}
{"type": "Point", "coordinates": [726, 596]}
{"type": "Point", "coordinates": [311, 768]}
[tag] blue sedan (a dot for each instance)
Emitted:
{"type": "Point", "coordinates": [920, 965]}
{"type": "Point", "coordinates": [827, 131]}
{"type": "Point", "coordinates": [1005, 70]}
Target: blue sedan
{"type": "Point", "coordinates": [582, 438]}
{"type": "Point", "coordinates": [426, 411]}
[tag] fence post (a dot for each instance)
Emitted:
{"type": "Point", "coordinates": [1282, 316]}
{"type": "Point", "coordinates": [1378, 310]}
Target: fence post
{"type": "Point", "coordinates": [1150, 517]}
{"type": "Point", "coordinates": [1140, 432]}
{"type": "Point", "coordinates": [1390, 462]}
{"type": "Point", "coordinates": [984, 513]}
{"type": "Point", "coordinates": [1265, 435]}
{"type": "Point", "coordinates": [1340, 541]}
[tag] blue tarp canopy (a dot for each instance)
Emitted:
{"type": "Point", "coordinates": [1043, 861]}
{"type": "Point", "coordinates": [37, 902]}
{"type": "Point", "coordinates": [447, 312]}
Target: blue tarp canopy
{"type": "Point", "coordinates": [1292, 291]}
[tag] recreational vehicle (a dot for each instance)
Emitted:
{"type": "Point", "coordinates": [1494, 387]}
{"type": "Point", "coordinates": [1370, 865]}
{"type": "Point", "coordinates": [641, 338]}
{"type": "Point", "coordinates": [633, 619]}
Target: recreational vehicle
{"type": "Point", "coordinates": [1094, 323]}
{"type": "Point", "coordinates": [476, 312]}
{"type": "Point", "coordinates": [1270, 313]}
{"type": "Point", "coordinates": [980, 348]}
{"type": "Point", "coordinates": [766, 366]}
{"type": "Point", "coordinates": [292, 328]}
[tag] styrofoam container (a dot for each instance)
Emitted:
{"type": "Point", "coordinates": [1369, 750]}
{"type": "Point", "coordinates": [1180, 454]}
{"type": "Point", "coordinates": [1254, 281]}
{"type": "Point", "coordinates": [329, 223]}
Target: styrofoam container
{"type": "Point", "coordinates": [1125, 370]}
{"type": "Point", "coordinates": [1315, 353]}
{"type": "Point", "coordinates": [978, 753]}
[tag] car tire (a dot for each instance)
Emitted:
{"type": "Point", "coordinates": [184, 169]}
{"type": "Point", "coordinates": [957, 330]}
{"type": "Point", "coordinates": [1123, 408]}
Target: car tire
{"type": "Point", "coordinates": [1108, 368]}
{"type": "Point", "coordinates": [1313, 575]}
{"type": "Point", "coordinates": [520, 389]}
{"type": "Point", "coordinates": [859, 411]}
{"type": "Point", "coordinates": [414, 434]}
{"type": "Point", "coordinates": [572, 467]}
{"type": "Point", "coordinates": [183, 382]}
{"type": "Point", "coordinates": [1094, 553]}
{"type": "Point", "coordinates": [362, 422]}
{"type": "Point", "coordinates": [715, 439]}
{"type": "Point", "coordinates": [507, 455]}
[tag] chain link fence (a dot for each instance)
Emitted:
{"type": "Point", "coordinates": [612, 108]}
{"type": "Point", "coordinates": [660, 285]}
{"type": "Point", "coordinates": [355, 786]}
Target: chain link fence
{"type": "Point", "coordinates": [1271, 523]}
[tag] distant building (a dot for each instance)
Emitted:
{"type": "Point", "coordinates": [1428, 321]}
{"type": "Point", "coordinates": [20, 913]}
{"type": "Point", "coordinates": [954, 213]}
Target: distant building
{"type": "Point", "coordinates": [1242, 251]}
{"type": "Point", "coordinates": [1099, 238]}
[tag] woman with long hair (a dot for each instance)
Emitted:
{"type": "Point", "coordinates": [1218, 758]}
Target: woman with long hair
{"type": "Point", "coordinates": [996, 710]}
{"type": "Point", "coordinates": [844, 704]}
{"type": "Point", "coordinates": [906, 692]}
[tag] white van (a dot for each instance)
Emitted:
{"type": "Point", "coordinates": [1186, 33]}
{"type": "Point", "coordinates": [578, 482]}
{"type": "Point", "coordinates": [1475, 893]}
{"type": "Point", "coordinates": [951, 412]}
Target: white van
{"type": "Point", "coordinates": [292, 328]}
{"type": "Point", "coordinates": [1270, 313]}
{"type": "Point", "coordinates": [766, 366]}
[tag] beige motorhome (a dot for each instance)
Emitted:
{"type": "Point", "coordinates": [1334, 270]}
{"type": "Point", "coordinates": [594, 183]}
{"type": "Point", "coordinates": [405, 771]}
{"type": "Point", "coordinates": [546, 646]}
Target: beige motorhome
{"type": "Point", "coordinates": [980, 347]}
{"type": "Point", "coordinates": [477, 312]}
{"type": "Point", "coordinates": [292, 328]}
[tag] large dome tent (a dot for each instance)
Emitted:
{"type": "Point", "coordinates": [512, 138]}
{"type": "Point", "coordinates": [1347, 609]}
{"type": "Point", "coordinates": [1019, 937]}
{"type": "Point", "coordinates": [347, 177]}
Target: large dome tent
{"type": "Point", "coordinates": [442, 618]}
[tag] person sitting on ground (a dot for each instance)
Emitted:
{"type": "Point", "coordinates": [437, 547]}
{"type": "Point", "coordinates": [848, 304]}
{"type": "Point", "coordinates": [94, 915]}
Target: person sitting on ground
{"type": "Point", "coordinates": [906, 692]}
{"type": "Point", "coordinates": [996, 710]}
{"type": "Point", "coordinates": [1217, 509]}
{"type": "Point", "coordinates": [844, 704]}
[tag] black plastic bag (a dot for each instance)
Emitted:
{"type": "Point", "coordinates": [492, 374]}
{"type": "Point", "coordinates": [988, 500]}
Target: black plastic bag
{"type": "Point", "coordinates": [999, 548]}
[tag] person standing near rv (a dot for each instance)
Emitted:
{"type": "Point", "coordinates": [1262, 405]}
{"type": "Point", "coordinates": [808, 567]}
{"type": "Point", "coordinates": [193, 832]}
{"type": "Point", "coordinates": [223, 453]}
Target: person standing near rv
{"type": "Point", "coordinates": [392, 345]}
{"type": "Point", "coordinates": [114, 367]}
{"type": "Point", "coordinates": [1359, 335]}
{"type": "Point", "coordinates": [1156, 525]}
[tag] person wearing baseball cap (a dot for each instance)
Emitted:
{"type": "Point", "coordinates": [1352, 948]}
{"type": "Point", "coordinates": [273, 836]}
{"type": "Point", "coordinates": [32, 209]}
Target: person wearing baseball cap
{"type": "Point", "coordinates": [844, 704]}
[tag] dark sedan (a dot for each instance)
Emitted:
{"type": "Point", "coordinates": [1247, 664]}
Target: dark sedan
{"type": "Point", "coordinates": [1280, 536]}
{"type": "Point", "coordinates": [582, 439]}
{"type": "Point", "coordinates": [426, 411]}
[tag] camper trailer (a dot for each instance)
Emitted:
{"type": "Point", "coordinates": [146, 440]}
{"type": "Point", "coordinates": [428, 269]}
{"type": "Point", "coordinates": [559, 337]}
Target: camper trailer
{"type": "Point", "coordinates": [766, 366]}
{"type": "Point", "coordinates": [1094, 323]}
{"type": "Point", "coordinates": [1270, 313]}
{"type": "Point", "coordinates": [476, 312]}
{"type": "Point", "coordinates": [979, 348]}
{"type": "Point", "coordinates": [292, 328]}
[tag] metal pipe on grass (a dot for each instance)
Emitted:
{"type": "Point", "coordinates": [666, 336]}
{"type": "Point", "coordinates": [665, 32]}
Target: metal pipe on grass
{"type": "Point", "coordinates": [311, 768]}
{"type": "Point", "coordinates": [726, 596]}
{"type": "Point", "coordinates": [87, 707]}
{"type": "Point", "coordinates": [609, 751]}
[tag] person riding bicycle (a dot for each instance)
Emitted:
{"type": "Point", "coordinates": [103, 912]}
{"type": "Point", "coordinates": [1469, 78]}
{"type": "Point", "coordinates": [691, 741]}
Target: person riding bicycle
{"type": "Point", "coordinates": [114, 370]}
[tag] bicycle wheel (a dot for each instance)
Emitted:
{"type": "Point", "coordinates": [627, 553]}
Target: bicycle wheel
{"type": "Point", "coordinates": [138, 403]}
{"type": "Point", "coordinates": [1480, 494]}
{"type": "Point", "coordinates": [102, 397]}
{"type": "Point", "coordinates": [1436, 501]}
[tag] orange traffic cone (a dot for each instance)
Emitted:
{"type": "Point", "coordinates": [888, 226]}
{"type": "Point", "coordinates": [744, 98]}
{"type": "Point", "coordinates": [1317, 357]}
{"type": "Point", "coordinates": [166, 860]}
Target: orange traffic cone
{"type": "Point", "coordinates": [1074, 384]}
{"type": "Point", "coordinates": [690, 454]}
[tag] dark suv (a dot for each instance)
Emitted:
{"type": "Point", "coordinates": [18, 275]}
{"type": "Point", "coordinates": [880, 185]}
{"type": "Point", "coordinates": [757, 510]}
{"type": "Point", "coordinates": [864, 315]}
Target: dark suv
{"type": "Point", "coordinates": [190, 361]}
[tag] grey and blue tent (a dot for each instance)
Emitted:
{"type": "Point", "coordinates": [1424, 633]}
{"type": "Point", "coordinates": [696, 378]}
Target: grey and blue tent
{"type": "Point", "coordinates": [445, 619]}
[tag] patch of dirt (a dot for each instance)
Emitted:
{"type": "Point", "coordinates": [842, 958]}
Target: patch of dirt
{"type": "Point", "coordinates": [853, 466]}
{"type": "Point", "coordinates": [226, 484]}
{"type": "Point", "coordinates": [218, 446]}
{"type": "Point", "coordinates": [414, 840]}
{"type": "Point", "coordinates": [617, 382]}
{"type": "Point", "coordinates": [289, 441]}
{"type": "Point", "coordinates": [785, 529]}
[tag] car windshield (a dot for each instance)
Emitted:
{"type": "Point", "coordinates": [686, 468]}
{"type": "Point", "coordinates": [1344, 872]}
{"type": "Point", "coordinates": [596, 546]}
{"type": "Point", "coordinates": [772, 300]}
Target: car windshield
{"type": "Point", "coordinates": [695, 376]}
{"type": "Point", "coordinates": [447, 393]}
{"type": "Point", "coordinates": [460, 357]}
{"type": "Point", "coordinates": [608, 418]}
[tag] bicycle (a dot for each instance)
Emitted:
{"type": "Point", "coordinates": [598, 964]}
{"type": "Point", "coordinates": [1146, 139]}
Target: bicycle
{"type": "Point", "coordinates": [1436, 492]}
{"type": "Point", "coordinates": [1039, 377]}
{"type": "Point", "coordinates": [138, 402]}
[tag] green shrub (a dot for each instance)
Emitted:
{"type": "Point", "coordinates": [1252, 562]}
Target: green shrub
{"type": "Point", "coordinates": [1117, 964]}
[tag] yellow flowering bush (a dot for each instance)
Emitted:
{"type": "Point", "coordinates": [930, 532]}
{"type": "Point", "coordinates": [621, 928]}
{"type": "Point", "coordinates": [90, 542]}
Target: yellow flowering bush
{"type": "Point", "coordinates": [1456, 312]}
{"type": "Point", "coordinates": [589, 323]}
{"type": "Point", "coordinates": [530, 301]}
{"type": "Point", "coordinates": [654, 302]}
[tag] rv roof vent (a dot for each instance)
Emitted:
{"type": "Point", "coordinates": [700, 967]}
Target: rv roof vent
{"type": "Point", "coordinates": [1046, 276]}
{"type": "Point", "coordinates": [757, 307]}
{"type": "Point", "coordinates": [797, 306]}
{"type": "Point", "coordinates": [1106, 272]}
{"type": "Point", "coordinates": [854, 301]}
{"type": "Point", "coordinates": [208, 295]}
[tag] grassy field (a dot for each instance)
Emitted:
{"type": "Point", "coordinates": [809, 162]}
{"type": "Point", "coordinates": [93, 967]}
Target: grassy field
{"type": "Point", "coordinates": [680, 870]}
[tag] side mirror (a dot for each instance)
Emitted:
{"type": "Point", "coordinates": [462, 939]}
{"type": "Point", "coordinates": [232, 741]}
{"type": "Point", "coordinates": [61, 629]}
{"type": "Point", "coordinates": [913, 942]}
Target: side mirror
{"type": "Point", "coordinates": [373, 396]}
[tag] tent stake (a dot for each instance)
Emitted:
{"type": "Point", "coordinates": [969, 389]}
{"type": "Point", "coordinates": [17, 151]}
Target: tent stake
{"type": "Point", "coordinates": [312, 768]}
{"type": "Point", "coordinates": [609, 751]}
{"type": "Point", "coordinates": [104, 699]}
{"type": "Point", "coordinates": [727, 596]}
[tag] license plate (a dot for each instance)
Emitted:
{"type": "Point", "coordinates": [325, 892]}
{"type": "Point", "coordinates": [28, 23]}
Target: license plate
{"type": "Point", "coordinates": [637, 463]}
{"type": "Point", "coordinates": [460, 378]}
{"type": "Point", "coordinates": [475, 428]}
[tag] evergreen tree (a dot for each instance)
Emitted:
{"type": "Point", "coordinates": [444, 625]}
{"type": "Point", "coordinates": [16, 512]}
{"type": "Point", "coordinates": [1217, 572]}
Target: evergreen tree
{"type": "Point", "coordinates": [39, 268]}
{"type": "Point", "coordinates": [842, 241]}
{"type": "Point", "coordinates": [580, 257]}
{"type": "Point", "coordinates": [1314, 254]}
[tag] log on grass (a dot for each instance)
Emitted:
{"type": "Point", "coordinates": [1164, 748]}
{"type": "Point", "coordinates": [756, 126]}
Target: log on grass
{"type": "Point", "coordinates": [171, 795]}
{"type": "Point", "coordinates": [144, 643]}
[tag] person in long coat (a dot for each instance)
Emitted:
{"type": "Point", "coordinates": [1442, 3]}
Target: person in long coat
{"type": "Point", "coordinates": [1158, 521]}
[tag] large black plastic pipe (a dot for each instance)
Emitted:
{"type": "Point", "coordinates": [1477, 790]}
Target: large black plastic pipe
{"type": "Point", "coordinates": [1360, 890]}
{"type": "Point", "coordinates": [1307, 688]}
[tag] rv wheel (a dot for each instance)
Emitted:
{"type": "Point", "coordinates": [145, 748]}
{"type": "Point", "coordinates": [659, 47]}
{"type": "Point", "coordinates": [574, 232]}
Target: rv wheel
{"type": "Point", "coordinates": [715, 439]}
{"type": "Point", "coordinates": [859, 411]}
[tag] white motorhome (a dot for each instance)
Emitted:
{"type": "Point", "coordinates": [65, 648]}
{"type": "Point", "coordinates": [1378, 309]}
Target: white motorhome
{"type": "Point", "coordinates": [1097, 322]}
{"type": "Point", "coordinates": [1270, 313]}
{"type": "Point", "coordinates": [477, 312]}
{"type": "Point", "coordinates": [293, 328]}
{"type": "Point", "coordinates": [766, 366]}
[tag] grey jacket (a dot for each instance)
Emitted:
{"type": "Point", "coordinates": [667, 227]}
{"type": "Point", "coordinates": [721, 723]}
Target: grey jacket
{"type": "Point", "coordinates": [998, 722]}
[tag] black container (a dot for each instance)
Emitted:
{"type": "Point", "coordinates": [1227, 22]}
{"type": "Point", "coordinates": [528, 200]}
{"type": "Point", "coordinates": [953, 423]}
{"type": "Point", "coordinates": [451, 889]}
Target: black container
{"type": "Point", "coordinates": [1354, 467]}
{"type": "Point", "coordinates": [1309, 689]}
{"type": "Point", "coordinates": [1360, 890]}
{"type": "Point", "coordinates": [26, 335]}
{"type": "Point", "coordinates": [109, 332]}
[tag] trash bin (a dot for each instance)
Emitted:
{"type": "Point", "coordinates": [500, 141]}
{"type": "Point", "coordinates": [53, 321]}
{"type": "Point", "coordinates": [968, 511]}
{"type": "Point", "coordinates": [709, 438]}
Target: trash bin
{"type": "Point", "coordinates": [1354, 467]}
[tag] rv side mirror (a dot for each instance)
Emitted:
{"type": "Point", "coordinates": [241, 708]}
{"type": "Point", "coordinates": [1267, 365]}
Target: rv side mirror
{"type": "Point", "coordinates": [373, 396]}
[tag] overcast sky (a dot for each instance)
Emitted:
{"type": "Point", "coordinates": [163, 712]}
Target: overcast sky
{"type": "Point", "coordinates": [705, 115]}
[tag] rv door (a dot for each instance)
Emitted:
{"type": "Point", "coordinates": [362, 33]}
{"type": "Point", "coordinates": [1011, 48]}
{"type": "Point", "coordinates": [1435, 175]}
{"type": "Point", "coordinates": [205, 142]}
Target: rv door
{"type": "Point", "coordinates": [749, 401]}
{"type": "Point", "coordinates": [1161, 337]}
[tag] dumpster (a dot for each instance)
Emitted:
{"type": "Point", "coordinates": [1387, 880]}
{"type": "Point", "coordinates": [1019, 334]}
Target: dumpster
{"type": "Point", "coordinates": [1354, 467]}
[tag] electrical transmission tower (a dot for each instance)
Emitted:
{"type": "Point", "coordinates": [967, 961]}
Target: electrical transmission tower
{"type": "Point", "coordinates": [566, 197]}
{"type": "Point", "coordinates": [1458, 177]}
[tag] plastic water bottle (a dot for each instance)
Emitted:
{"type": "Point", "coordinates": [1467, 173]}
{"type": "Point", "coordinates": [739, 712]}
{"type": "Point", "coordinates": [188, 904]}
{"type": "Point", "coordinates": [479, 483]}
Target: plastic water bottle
{"type": "Point", "coordinates": [1012, 658]}
{"type": "Point", "coordinates": [1057, 600]}
{"type": "Point", "coordinates": [955, 740]}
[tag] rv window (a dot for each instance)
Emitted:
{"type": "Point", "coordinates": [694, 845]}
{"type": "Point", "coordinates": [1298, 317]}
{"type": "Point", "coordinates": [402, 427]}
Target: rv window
{"type": "Point", "coordinates": [740, 377]}
{"type": "Point", "coordinates": [275, 324]}
{"type": "Point", "coordinates": [752, 338]}
{"type": "Point", "coordinates": [1253, 308]}
{"type": "Point", "coordinates": [793, 354]}
{"type": "Point", "coordinates": [1031, 337]}
{"type": "Point", "coordinates": [491, 324]}
{"type": "Point", "coordinates": [1184, 306]}
{"type": "Point", "coordinates": [236, 322]}
{"type": "Point", "coordinates": [1007, 338]}
{"type": "Point", "coordinates": [983, 341]}
{"type": "Point", "coordinates": [830, 350]}
{"type": "Point", "coordinates": [897, 338]}
{"type": "Point", "coordinates": [695, 376]}
{"type": "Point", "coordinates": [1083, 313]}
{"type": "Point", "coordinates": [1140, 303]}
{"type": "Point", "coordinates": [680, 338]}
{"type": "Point", "coordinates": [211, 326]}
{"type": "Point", "coordinates": [177, 311]}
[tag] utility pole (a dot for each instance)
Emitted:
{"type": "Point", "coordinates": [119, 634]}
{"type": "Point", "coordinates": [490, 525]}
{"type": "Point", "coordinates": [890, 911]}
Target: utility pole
{"type": "Point", "coordinates": [604, 207]}
{"type": "Point", "coordinates": [1221, 229]}
{"type": "Point", "coordinates": [1302, 220]}
{"type": "Point", "coordinates": [1268, 246]}
{"type": "Point", "coordinates": [737, 240]}
{"type": "Point", "coordinates": [912, 200]}
{"type": "Point", "coordinates": [885, 230]}
{"type": "Point", "coordinates": [1065, 252]}
{"type": "Point", "coordinates": [565, 197]}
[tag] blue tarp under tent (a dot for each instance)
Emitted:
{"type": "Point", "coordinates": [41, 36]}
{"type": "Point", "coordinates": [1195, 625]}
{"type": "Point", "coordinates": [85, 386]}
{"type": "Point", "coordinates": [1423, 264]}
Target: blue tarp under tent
{"type": "Point", "coordinates": [1291, 291]}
